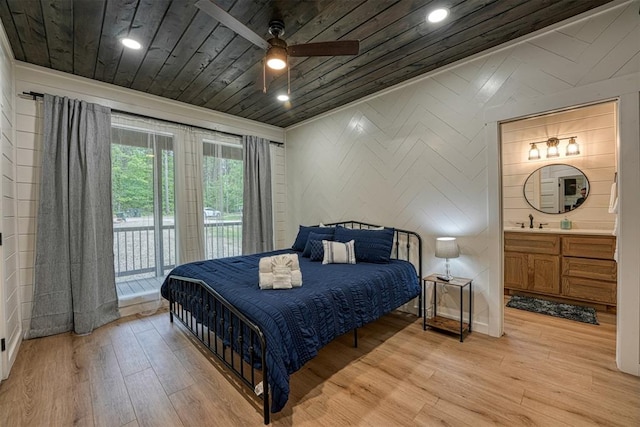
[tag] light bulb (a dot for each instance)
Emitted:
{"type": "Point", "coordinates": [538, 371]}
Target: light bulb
{"type": "Point", "coordinates": [276, 64]}
{"type": "Point", "coordinates": [534, 153]}
{"type": "Point", "coordinates": [573, 148]}
{"type": "Point", "coordinates": [437, 15]}
{"type": "Point", "coordinates": [131, 44]}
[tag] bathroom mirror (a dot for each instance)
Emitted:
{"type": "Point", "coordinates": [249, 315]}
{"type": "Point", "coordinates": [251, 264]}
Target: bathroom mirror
{"type": "Point", "coordinates": [556, 189]}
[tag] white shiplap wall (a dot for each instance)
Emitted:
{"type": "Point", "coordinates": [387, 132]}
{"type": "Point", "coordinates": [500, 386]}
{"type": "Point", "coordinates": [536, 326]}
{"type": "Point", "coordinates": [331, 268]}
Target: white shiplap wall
{"type": "Point", "coordinates": [595, 128]}
{"type": "Point", "coordinates": [416, 156]}
{"type": "Point", "coordinates": [28, 138]}
{"type": "Point", "coordinates": [278, 189]}
{"type": "Point", "coordinates": [28, 119]}
{"type": "Point", "coordinates": [10, 325]}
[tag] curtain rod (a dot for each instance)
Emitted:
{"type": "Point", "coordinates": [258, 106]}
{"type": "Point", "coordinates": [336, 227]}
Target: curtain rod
{"type": "Point", "coordinates": [36, 95]}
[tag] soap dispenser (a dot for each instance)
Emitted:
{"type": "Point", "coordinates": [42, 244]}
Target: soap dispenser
{"type": "Point", "coordinates": [565, 224]}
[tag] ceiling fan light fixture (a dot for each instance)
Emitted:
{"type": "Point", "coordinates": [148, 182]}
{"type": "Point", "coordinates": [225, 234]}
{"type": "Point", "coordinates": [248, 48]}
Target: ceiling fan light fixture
{"type": "Point", "coordinates": [437, 15]}
{"type": "Point", "coordinates": [131, 43]}
{"type": "Point", "coordinates": [276, 58]}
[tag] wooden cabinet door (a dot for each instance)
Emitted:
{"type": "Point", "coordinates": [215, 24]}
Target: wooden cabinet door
{"type": "Point", "coordinates": [544, 274]}
{"type": "Point", "coordinates": [516, 266]}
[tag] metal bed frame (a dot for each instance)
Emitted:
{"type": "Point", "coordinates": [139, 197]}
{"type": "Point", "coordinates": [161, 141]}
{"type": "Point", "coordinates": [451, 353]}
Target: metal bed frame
{"type": "Point", "coordinates": [230, 336]}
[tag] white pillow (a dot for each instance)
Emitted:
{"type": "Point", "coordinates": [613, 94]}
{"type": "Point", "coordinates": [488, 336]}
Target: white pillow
{"type": "Point", "coordinates": [338, 252]}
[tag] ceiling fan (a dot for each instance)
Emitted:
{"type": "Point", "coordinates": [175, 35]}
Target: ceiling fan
{"type": "Point", "coordinates": [277, 49]}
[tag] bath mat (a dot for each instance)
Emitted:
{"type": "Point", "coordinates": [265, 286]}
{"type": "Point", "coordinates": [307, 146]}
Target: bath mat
{"type": "Point", "coordinates": [565, 311]}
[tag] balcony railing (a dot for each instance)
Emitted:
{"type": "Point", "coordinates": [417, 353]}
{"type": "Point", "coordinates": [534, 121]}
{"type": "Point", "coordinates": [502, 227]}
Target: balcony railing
{"type": "Point", "coordinates": [135, 247]}
{"type": "Point", "coordinates": [222, 239]}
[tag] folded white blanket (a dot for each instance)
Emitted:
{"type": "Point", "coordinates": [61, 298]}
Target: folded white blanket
{"type": "Point", "coordinates": [280, 272]}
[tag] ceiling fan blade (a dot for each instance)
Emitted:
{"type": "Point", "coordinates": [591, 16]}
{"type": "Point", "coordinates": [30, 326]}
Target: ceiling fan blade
{"type": "Point", "coordinates": [340, 47]}
{"type": "Point", "coordinates": [230, 22]}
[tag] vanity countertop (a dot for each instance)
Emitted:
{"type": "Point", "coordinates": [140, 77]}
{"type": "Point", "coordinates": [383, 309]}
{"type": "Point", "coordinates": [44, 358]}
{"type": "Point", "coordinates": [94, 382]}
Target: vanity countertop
{"type": "Point", "coordinates": [559, 231]}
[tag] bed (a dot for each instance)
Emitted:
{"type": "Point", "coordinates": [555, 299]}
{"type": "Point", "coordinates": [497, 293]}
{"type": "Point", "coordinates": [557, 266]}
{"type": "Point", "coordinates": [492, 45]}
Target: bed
{"type": "Point", "coordinates": [263, 336]}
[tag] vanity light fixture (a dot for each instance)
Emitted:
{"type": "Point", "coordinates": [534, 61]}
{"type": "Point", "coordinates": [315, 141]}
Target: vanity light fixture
{"type": "Point", "coordinates": [573, 149]}
{"type": "Point", "coordinates": [552, 148]}
{"type": "Point", "coordinates": [534, 153]}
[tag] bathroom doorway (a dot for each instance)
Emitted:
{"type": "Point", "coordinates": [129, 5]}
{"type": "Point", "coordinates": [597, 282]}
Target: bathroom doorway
{"type": "Point", "coordinates": [559, 202]}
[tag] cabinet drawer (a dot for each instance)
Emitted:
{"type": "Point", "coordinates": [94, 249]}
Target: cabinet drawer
{"type": "Point", "coordinates": [532, 243]}
{"type": "Point", "coordinates": [599, 247]}
{"type": "Point", "coordinates": [588, 289]}
{"type": "Point", "coordinates": [597, 269]}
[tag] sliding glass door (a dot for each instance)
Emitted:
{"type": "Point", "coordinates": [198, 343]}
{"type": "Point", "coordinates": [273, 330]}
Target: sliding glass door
{"type": "Point", "coordinates": [143, 204]}
{"type": "Point", "coordinates": [222, 186]}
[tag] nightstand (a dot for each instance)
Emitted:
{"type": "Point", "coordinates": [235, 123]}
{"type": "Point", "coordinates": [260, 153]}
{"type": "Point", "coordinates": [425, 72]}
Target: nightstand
{"type": "Point", "coordinates": [444, 323]}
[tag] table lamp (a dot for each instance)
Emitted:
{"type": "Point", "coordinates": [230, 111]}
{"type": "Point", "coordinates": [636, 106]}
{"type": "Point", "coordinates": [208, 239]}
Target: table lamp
{"type": "Point", "coordinates": [446, 247]}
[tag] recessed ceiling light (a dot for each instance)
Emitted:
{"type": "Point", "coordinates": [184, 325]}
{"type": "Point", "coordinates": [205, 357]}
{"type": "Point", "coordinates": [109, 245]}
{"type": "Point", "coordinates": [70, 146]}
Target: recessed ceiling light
{"type": "Point", "coordinates": [131, 44]}
{"type": "Point", "coordinates": [283, 98]}
{"type": "Point", "coordinates": [437, 15]}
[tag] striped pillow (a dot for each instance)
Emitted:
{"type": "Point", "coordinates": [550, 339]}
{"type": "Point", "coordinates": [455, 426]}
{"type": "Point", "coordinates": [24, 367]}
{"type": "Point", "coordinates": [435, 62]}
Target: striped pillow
{"type": "Point", "coordinates": [339, 253]}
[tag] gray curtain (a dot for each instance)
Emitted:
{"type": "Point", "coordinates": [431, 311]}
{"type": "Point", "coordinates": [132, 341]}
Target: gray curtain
{"type": "Point", "coordinates": [257, 216]}
{"type": "Point", "coordinates": [74, 283]}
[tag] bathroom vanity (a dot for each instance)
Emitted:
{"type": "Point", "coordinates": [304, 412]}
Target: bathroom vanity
{"type": "Point", "coordinates": [569, 265]}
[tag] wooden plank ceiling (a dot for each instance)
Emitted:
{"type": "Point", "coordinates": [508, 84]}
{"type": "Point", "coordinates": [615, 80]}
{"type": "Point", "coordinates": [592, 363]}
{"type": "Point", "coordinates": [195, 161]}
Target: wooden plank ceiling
{"type": "Point", "coordinates": [189, 57]}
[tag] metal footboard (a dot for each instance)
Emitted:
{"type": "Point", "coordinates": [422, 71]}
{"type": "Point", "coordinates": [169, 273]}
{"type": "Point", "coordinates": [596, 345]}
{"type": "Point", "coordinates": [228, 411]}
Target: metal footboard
{"type": "Point", "coordinates": [224, 330]}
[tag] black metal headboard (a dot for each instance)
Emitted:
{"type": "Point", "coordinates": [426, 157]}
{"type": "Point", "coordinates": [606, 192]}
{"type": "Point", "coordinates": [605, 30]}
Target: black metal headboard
{"type": "Point", "coordinates": [407, 245]}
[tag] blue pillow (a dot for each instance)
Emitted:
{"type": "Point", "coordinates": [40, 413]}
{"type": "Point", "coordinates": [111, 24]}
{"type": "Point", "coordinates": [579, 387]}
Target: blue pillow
{"type": "Point", "coordinates": [317, 250]}
{"type": "Point", "coordinates": [316, 236]}
{"type": "Point", "coordinates": [371, 245]}
{"type": "Point", "coordinates": [303, 235]}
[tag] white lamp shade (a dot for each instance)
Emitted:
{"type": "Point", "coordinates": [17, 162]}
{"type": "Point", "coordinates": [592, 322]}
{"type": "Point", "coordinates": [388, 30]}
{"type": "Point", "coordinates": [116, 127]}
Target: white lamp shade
{"type": "Point", "coordinates": [446, 247]}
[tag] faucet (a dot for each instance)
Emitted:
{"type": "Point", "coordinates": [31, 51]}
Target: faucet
{"type": "Point", "coordinates": [530, 221]}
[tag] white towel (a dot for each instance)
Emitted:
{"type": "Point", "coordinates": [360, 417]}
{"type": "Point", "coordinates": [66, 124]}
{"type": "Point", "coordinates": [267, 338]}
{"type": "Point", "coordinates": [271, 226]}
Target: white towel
{"type": "Point", "coordinates": [295, 263]}
{"type": "Point", "coordinates": [281, 277]}
{"type": "Point", "coordinates": [279, 272]}
{"type": "Point", "coordinates": [266, 280]}
{"type": "Point", "coordinates": [296, 278]}
{"type": "Point", "coordinates": [264, 266]}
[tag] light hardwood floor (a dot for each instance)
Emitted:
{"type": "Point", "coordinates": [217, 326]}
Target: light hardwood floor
{"type": "Point", "coordinates": [145, 371]}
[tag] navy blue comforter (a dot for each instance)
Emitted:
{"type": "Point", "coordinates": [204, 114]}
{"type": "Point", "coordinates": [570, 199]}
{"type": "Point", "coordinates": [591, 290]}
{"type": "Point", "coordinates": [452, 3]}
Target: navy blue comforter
{"type": "Point", "coordinates": [297, 323]}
